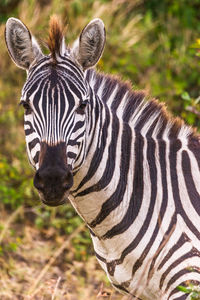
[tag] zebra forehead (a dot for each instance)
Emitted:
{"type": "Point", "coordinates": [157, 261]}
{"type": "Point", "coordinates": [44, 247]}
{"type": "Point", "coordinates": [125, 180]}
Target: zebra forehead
{"type": "Point", "coordinates": [64, 75]}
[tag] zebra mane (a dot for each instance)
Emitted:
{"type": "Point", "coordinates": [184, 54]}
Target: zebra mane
{"type": "Point", "coordinates": [137, 108]}
{"type": "Point", "coordinates": [56, 36]}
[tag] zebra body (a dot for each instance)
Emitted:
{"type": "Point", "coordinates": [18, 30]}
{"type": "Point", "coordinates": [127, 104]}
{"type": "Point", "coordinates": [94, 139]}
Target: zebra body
{"type": "Point", "coordinates": [131, 171]}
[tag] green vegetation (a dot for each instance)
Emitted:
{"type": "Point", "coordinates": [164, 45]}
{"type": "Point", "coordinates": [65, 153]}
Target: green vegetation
{"type": "Point", "coordinates": [194, 292]}
{"type": "Point", "coordinates": [155, 45]}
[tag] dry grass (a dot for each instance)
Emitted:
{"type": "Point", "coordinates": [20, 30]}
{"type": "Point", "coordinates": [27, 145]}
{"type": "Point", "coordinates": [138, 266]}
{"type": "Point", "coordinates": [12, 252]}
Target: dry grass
{"type": "Point", "coordinates": [39, 264]}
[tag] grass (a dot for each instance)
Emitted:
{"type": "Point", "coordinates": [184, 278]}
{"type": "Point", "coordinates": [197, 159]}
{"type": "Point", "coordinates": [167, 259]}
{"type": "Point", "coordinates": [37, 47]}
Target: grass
{"type": "Point", "coordinates": [39, 264]}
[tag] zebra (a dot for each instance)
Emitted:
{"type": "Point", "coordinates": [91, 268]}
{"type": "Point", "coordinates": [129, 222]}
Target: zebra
{"type": "Point", "coordinates": [129, 168]}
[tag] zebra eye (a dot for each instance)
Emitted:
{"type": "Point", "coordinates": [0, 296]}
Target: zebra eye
{"type": "Point", "coordinates": [25, 105]}
{"type": "Point", "coordinates": [82, 107]}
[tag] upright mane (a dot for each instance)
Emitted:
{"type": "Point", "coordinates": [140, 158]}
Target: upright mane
{"type": "Point", "coordinates": [138, 109]}
{"type": "Point", "coordinates": [56, 34]}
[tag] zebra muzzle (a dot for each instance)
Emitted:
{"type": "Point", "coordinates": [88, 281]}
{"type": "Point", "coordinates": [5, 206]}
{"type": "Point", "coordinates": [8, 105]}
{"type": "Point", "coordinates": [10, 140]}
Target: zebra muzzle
{"type": "Point", "coordinates": [53, 185]}
{"type": "Point", "coordinates": [54, 178]}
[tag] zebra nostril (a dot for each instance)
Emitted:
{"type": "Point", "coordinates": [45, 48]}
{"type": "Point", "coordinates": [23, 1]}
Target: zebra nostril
{"type": "Point", "coordinates": [38, 182]}
{"type": "Point", "coordinates": [68, 180]}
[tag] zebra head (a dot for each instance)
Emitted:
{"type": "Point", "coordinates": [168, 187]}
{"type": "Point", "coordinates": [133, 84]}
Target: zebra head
{"type": "Point", "coordinates": [56, 98]}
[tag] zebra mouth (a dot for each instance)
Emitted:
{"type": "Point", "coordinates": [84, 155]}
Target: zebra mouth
{"type": "Point", "coordinates": [54, 201]}
{"type": "Point", "coordinates": [53, 204]}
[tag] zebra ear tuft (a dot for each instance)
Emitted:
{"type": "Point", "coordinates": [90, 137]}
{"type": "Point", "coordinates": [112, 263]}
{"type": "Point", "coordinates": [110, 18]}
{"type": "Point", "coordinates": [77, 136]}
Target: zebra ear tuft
{"type": "Point", "coordinates": [88, 49]}
{"type": "Point", "coordinates": [22, 46]}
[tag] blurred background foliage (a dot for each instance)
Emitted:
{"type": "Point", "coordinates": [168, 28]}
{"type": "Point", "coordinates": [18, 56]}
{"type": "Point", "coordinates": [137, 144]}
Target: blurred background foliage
{"type": "Point", "coordinates": [154, 44]}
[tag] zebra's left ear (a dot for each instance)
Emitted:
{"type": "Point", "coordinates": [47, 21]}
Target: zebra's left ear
{"type": "Point", "coordinates": [22, 46]}
{"type": "Point", "coordinates": [88, 49]}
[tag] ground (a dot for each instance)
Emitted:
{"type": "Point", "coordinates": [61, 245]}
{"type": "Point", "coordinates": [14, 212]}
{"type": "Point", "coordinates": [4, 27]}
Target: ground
{"type": "Point", "coordinates": [39, 264]}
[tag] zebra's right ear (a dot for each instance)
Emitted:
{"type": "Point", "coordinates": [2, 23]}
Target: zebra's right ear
{"type": "Point", "coordinates": [88, 49]}
{"type": "Point", "coordinates": [22, 46]}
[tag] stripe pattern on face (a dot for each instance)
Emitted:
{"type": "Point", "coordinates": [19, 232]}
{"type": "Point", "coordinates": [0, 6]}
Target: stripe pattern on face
{"type": "Point", "coordinates": [54, 94]}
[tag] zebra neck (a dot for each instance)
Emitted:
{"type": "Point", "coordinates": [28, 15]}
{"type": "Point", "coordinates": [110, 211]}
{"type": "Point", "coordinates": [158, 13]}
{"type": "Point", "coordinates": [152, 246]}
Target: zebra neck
{"type": "Point", "coordinates": [100, 191]}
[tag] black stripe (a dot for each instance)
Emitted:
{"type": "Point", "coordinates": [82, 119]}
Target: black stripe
{"type": "Point", "coordinates": [96, 118]}
{"type": "Point", "coordinates": [33, 143]}
{"type": "Point", "coordinates": [30, 130]}
{"type": "Point", "coordinates": [183, 297]}
{"type": "Point", "coordinates": [36, 157]}
{"type": "Point", "coordinates": [78, 125]}
{"type": "Point", "coordinates": [101, 258]}
{"type": "Point", "coordinates": [78, 157]}
{"type": "Point", "coordinates": [121, 288]}
{"type": "Point", "coordinates": [163, 125]}
{"type": "Point", "coordinates": [194, 146]}
{"type": "Point", "coordinates": [191, 188]}
{"type": "Point", "coordinates": [175, 146]}
{"type": "Point", "coordinates": [62, 100]}
{"type": "Point", "coordinates": [90, 120]}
